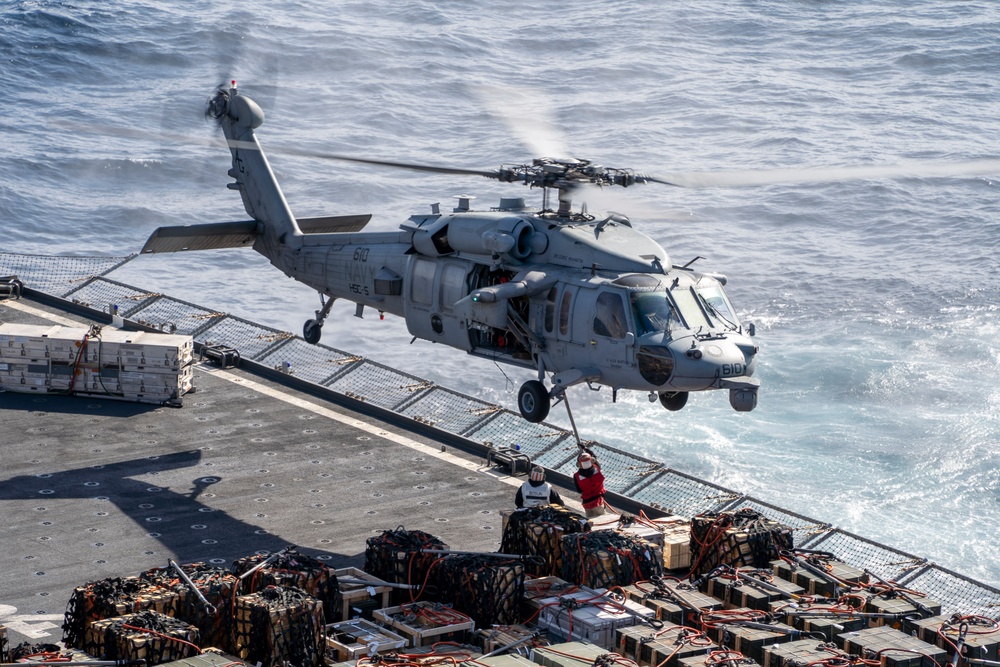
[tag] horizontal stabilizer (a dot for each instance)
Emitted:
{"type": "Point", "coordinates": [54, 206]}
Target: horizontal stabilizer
{"type": "Point", "coordinates": [201, 237]}
{"type": "Point", "coordinates": [334, 223]}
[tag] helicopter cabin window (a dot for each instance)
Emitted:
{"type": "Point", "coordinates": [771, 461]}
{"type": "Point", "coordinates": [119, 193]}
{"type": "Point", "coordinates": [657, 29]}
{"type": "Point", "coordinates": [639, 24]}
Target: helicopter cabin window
{"type": "Point", "coordinates": [422, 286]}
{"type": "Point", "coordinates": [610, 317]}
{"type": "Point", "coordinates": [564, 312]}
{"type": "Point", "coordinates": [453, 286]}
{"type": "Point", "coordinates": [550, 309]}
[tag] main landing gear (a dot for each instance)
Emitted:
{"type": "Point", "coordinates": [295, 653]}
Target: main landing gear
{"type": "Point", "coordinates": [533, 401]}
{"type": "Point", "coordinates": [312, 330]}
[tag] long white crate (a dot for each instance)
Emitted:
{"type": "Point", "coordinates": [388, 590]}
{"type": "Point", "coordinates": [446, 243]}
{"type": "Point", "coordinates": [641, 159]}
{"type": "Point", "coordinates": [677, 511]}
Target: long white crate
{"type": "Point", "coordinates": [595, 621]}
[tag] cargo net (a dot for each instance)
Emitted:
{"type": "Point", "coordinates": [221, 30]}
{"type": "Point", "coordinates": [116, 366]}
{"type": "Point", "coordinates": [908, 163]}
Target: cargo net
{"type": "Point", "coordinates": [488, 589]}
{"type": "Point", "coordinates": [147, 636]}
{"type": "Point", "coordinates": [277, 626]}
{"type": "Point", "coordinates": [26, 651]}
{"type": "Point", "coordinates": [743, 538]}
{"type": "Point", "coordinates": [603, 559]}
{"type": "Point", "coordinates": [216, 585]}
{"type": "Point", "coordinates": [54, 274]}
{"type": "Point", "coordinates": [109, 598]}
{"type": "Point", "coordinates": [538, 532]}
{"type": "Point", "coordinates": [395, 556]}
{"type": "Point", "coordinates": [289, 568]}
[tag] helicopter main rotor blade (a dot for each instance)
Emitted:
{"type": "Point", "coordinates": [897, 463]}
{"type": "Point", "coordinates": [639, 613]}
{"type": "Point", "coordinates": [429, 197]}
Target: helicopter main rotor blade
{"type": "Point", "coordinates": [757, 177]}
{"type": "Point", "coordinates": [187, 139]}
{"type": "Point", "coordinates": [383, 163]}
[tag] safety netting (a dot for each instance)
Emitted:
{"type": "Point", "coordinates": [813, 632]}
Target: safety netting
{"type": "Point", "coordinates": [57, 274]}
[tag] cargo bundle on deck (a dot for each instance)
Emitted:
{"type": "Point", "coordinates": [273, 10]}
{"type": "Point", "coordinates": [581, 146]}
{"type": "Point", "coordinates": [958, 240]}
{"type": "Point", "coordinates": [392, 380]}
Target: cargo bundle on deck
{"type": "Point", "coordinates": [287, 608]}
{"type": "Point", "coordinates": [96, 361]}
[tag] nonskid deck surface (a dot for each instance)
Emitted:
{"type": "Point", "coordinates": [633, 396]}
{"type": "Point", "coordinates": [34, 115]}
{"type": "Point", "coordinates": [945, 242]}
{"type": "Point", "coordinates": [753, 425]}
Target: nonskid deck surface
{"type": "Point", "coordinates": [93, 488]}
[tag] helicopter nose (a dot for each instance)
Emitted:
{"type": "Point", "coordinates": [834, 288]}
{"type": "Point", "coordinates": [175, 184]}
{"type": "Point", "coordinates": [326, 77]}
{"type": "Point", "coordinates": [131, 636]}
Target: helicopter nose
{"type": "Point", "coordinates": [700, 364]}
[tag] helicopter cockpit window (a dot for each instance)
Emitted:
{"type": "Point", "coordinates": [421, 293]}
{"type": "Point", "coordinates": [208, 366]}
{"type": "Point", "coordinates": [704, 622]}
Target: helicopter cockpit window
{"type": "Point", "coordinates": [422, 285]}
{"type": "Point", "coordinates": [654, 312]}
{"type": "Point", "coordinates": [690, 309]}
{"type": "Point", "coordinates": [610, 317]}
{"type": "Point", "coordinates": [718, 306]}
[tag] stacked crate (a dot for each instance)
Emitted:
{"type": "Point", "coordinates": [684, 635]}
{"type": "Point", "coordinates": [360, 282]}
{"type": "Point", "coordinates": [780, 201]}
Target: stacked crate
{"type": "Point", "coordinates": [672, 601]}
{"type": "Point", "coordinates": [671, 533]}
{"type": "Point", "coordinates": [569, 654]}
{"type": "Point", "coordinates": [801, 652]}
{"type": "Point", "coordinates": [982, 635]}
{"type": "Point", "coordinates": [751, 588]}
{"type": "Point", "coordinates": [357, 599]}
{"type": "Point", "coordinates": [135, 366]}
{"type": "Point", "coordinates": [426, 623]}
{"type": "Point", "coordinates": [668, 646]}
{"type": "Point", "coordinates": [893, 648]}
{"type": "Point", "coordinates": [825, 619]}
{"type": "Point", "coordinates": [589, 616]}
{"type": "Point", "coordinates": [149, 636]}
{"type": "Point", "coordinates": [350, 640]}
{"type": "Point", "coordinates": [279, 625]}
{"type": "Point", "coordinates": [838, 575]}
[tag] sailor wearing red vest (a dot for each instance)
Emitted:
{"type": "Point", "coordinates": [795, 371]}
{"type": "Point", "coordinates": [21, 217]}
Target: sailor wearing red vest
{"type": "Point", "coordinates": [536, 491]}
{"type": "Point", "coordinates": [590, 483]}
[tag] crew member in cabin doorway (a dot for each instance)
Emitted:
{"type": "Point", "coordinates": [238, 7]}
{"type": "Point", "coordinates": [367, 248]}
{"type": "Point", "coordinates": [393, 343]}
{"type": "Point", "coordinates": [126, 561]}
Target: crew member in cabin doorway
{"type": "Point", "coordinates": [589, 482]}
{"type": "Point", "coordinates": [536, 491]}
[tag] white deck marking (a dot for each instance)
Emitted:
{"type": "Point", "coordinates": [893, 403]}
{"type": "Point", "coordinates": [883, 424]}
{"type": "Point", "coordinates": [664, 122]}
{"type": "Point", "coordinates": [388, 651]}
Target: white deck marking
{"type": "Point", "coordinates": [58, 319]}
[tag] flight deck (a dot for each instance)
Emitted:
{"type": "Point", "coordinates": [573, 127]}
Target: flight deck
{"type": "Point", "coordinates": [258, 458]}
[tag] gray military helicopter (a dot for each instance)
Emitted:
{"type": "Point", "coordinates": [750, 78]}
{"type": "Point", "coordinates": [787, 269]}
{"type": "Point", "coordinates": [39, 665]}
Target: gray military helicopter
{"type": "Point", "coordinates": [575, 298]}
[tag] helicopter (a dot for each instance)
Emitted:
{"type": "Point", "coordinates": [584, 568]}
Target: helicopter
{"type": "Point", "coordinates": [575, 298]}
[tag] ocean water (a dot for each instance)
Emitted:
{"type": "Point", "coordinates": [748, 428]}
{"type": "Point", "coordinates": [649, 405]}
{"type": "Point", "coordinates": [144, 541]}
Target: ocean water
{"type": "Point", "coordinates": [876, 301]}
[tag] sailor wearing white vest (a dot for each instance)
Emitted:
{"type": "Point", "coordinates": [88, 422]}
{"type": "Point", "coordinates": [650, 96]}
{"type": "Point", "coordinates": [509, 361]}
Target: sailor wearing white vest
{"type": "Point", "coordinates": [536, 491]}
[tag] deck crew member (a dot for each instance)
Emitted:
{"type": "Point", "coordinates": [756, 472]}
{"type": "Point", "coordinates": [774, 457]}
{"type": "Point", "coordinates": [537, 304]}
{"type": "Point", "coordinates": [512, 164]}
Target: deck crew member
{"type": "Point", "coordinates": [536, 491]}
{"type": "Point", "coordinates": [589, 482]}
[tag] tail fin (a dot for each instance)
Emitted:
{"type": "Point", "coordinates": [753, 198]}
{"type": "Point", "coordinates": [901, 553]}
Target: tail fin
{"type": "Point", "coordinates": [238, 116]}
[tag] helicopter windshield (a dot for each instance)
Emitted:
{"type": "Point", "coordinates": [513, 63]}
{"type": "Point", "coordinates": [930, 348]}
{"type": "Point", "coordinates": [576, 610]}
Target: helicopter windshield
{"type": "Point", "coordinates": [654, 312]}
{"type": "Point", "coordinates": [715, 301]}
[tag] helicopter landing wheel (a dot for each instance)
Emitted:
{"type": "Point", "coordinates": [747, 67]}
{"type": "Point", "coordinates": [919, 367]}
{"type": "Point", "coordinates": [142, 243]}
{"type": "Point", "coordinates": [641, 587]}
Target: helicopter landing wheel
{"type": "Point", "coordinates": [673, 400]}
{"type": "Point", "coordinates": [312, 330]}
{"type": "Point", "coordinates": [533, 401]}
